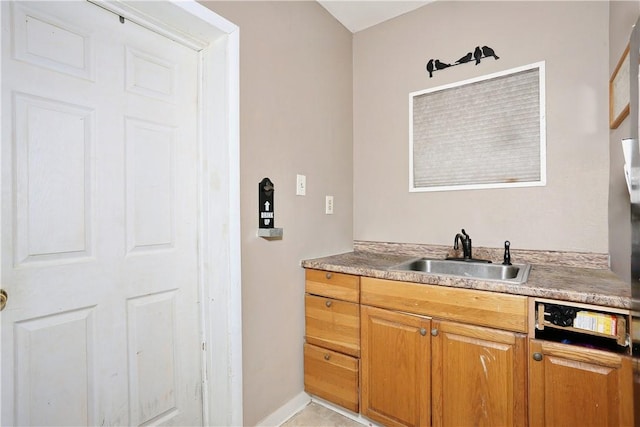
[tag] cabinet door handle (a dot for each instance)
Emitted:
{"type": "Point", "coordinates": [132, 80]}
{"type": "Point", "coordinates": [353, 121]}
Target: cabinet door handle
{"type": "Point", "coordinates": [434, 332]}
{"type": "Point", "coordinates": [537, 357]}
{"type": "Point", "coordinates": [327, 356]}
{"type": "Point", "coordinates": [328, 303]}
{"type": "Point", "coordinates": [423, 331]}
{"type": "Point", "coordinates": [328, 275]}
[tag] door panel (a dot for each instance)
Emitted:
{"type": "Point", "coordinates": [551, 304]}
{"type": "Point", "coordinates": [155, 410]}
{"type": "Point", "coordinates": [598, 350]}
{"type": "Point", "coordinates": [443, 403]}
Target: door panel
{"type": "Point", "coordinates": [99, 221]}
{"type": "Point", "coordinates": [149, 188]}
{"type": "Point", "coordinates": [53, 215]}
{"type": "Point", "coordinates": [42, 360]}
{"type": "Point", "coordinates": [579, 386]}
{"type": "Point", "coordinates": [478, 376]}
{"type": "Point", "coordinates": [395, 367]}
{"type": "Point", "coordinates": [152, 332]}
{"type": "Point", "coordinates": [47, 41]}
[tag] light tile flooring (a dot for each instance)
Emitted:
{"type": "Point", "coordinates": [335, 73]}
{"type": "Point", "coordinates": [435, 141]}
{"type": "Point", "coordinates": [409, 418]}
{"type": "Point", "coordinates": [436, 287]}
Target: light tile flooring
{"type": "Point", "coordinates": [315, 415]}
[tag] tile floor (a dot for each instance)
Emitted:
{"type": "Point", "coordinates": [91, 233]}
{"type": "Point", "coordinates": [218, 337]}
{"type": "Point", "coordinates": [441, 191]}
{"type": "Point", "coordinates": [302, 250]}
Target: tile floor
{"type": "Point", "coordinates": [315, 415]}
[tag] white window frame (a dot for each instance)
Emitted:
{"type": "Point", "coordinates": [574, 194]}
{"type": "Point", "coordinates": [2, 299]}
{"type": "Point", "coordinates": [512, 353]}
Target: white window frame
{"type": "Point", "coordinates": [542, 150]}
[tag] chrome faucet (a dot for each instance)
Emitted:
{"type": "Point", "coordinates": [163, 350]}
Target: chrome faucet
{"type": "Point", "coordinates": [466, 244]}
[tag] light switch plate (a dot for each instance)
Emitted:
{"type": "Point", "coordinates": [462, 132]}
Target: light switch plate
{"type": "Point", "coordinates": [301, 185]}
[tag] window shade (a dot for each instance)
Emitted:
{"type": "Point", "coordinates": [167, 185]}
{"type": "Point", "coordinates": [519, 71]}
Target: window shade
{"type": "Point", "coordinates": [480, 134]}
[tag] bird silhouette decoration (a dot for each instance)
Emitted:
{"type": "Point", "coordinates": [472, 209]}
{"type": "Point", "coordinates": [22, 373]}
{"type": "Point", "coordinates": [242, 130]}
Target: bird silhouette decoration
{"type": "Point", "coordinates": [440, 65]}
{"type": "Point", "coordinates": [430, 68]}
{"type": "Point", "coordinates": [464, 59]}
{"type": "Point", "coordinates": [478, 54]}
{"type": "Point", "coordinates": [487, 51]}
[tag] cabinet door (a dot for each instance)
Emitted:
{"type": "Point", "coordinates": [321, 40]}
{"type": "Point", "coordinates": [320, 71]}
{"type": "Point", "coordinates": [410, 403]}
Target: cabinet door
{"type": "Point", "coordinates": [571, 385]}
{"type": "Point", "coordinates": [478, 376]}
{"type": "Point", "coordinates": [395, 368]}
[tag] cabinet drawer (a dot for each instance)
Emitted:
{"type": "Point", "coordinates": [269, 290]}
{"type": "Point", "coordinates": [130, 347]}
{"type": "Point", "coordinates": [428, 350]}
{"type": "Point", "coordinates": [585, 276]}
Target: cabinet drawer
{"type": "Point", "coordinates": [331, 376]}
{"type": "Point", "coordinates": [502, 311]}
{"type": "Point", "coordinates": [333, 324]}
{"type": "Point", "coordinates": [333, 285]}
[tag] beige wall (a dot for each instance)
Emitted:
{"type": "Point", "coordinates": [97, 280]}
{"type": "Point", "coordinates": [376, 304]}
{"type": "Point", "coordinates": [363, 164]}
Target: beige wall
{"type": "Point", "coordinates": [622, 17]}
{"type": "Point", "coordinates": [295, 117]}
{"type": "Point", "coordinates": [570, 212]}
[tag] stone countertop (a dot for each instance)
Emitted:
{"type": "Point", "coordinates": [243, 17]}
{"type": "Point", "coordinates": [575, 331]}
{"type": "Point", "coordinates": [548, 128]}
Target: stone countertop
{"type": "Point", "coordinates": [596, 286]}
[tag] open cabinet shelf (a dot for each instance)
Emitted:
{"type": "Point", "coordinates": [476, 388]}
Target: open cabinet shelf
{"type": "Point", "coordinates": [618, 342]}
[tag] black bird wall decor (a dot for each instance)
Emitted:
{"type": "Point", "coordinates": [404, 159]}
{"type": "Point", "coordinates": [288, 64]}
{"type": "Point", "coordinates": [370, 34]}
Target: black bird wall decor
{"type": "Point", "coordinates": [430, 68]}
{"type": "Point", "coordinates": [464, 59]}
{"type": "Point", "coordinates": [440, 65]}
{"type": "Point", "coordinates": [478, 54]}
{"type": "Point", "coordinates": [487, 51]}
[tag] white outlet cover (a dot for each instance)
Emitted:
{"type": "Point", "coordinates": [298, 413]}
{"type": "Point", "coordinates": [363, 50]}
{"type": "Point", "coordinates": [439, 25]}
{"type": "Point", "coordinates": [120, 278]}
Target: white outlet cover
{"type": "Point", "coordinates": [328, 206]}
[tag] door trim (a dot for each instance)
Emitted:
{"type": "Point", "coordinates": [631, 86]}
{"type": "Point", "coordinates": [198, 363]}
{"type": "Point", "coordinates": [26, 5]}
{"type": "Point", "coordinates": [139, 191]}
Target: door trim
{"type": "Point", "coordinates": [217, 41]}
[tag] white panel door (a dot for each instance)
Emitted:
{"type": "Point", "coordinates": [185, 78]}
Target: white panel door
{"type": "Point", "coordinates": [99, 221]}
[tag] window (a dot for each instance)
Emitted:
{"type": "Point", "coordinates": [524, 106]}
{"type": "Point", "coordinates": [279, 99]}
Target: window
{"type": "Point", "coordinates": [487, 132]}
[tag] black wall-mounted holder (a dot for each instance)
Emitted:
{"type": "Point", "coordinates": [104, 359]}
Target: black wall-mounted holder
{"type": "Point", "coordinates": [266, 214]}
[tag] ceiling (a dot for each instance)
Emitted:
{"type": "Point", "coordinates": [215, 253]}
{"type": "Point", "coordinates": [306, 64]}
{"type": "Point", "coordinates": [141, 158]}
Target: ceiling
{"type": "Point", "coordinates": [357, 15]}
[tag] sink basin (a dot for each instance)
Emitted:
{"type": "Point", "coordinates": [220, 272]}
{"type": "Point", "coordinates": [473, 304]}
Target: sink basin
{"type": "Point", "coordinates": [516, 273]}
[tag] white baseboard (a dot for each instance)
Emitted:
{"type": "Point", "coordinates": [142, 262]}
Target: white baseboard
{"type": "Point", "coordinates": [286, 411]}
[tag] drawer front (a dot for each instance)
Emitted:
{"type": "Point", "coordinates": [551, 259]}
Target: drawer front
{"type": "Point", "coordinates": [502, 311]}
{"type": "Point", "coordinates": [331, 376]}
{"type": "Point", "coordinates": [333, 285]}
{"type": "Point", "coordinates": [333, 324]}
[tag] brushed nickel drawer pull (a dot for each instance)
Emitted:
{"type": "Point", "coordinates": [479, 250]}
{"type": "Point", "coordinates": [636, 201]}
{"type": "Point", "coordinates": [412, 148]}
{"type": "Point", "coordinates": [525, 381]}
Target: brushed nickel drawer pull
{"type": "Point", "coordinates": [423, 331]}
{"type": "Point", "coordinates": [434, 332]}
{"type": "Point", "coordinates": [327, 357]}
{"type": "Point", "coordinates": [328, 303]}
{"type": "Point", "coordinates": [537, 357]}
{"type": "Point", "coordinates": [328, 275]}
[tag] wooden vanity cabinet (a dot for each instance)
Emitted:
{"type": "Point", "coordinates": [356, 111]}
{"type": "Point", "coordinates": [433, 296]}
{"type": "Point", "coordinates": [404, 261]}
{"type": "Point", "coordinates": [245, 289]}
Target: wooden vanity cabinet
{"type": "Point", "coordinates": [332, 337]}
{"type": "Point", "coordinates": [409, 354]}
{"type": "Point", "coordinates": [419, 369]}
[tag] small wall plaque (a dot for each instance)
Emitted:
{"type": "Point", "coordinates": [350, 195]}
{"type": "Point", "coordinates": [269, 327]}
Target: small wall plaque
{"type": "Point", "coordinates": [266, 217]}
{"type": "Point", "coordinates": [266, 211]}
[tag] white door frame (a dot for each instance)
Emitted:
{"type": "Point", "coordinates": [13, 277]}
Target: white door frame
{"type": "Point", "coordinates": [217, 41]}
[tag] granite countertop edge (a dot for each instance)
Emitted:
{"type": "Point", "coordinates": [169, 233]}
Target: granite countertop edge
{"type": "Point", "coordinates": [597, 286]}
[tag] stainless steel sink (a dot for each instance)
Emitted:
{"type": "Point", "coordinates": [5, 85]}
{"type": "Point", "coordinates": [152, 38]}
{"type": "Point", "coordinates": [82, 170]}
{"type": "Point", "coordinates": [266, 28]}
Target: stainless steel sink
{"type": "Point", "coordinates": [516, 273]}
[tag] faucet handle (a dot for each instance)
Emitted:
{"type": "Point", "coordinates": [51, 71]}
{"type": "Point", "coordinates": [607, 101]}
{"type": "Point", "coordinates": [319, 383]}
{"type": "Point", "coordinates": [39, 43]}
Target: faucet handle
{"type": "Point", "coordinates": [507, 253]}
